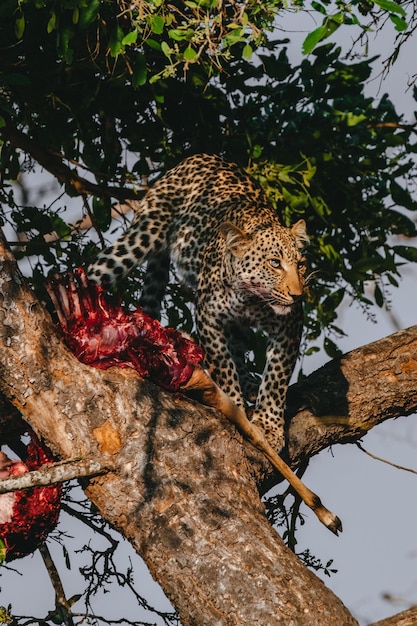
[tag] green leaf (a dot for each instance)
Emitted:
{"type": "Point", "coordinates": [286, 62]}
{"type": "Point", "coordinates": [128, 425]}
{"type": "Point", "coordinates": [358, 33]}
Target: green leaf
{"type": "Point", "coordinates": [407, 252]}
{"type": "Point", "coordinates": [378, 295]}
{"type": "Point", "coordinates": [331, 348]}
{"type": "Point", "coordinates": [330, 252]}
{"type": "Point", "coordinates": [51, 23]}
{"type": "Point", "coordinates": [334, 299]}
{"type": "Point", "coordinates": [140, 72]}
{"type": "Point", "coordinates": [402, 224]}
{"type": "Point", "coordinates": [312, 39]}
{"type": "Point", "coordinates": [76, 15]}
{"type": "Point", "coordinates": [116, 42]}
{"type": "Point", "coordinates": [399, 23]}
{"type": "Point", "coordinates": [157, 24]}
{"type": "Point", "coordinates": [235, 36]}
{"type": "Point", "coordinates": [320, 206]}
{"type": "Point", "coordinates": [392, 280]}
{"type": "Point", "coordinates": [247, 52]}
{"type": "Point", "coordinates": [89, 14]}
{"type": "Point", "coordinates": [3, 551]}
{"type": "Point", "coordinates": [402, 197]}
{"type": "Point", "coordinates": [330, 25]}
{"type": "Point", "coordinates": [256, 151]}
{"type": "Point", "coordinates": [190, 54]}
{"type": "Point", "coordinates": [354, 120]}
{"type": "Point", "coordinates": [130, 38]}
{"type": "Point", "coordinates": [312, 350]}
{"type": "Point", "coordinates": [59, 226]}
{"type": "Point", "coordinates": [152, 43]}
{"type": "Point", "coordinates": [2, 122]}
{"type": "Point", "coordinates": [391, 6]}
{"type": "Point", "coordinates": [319, 7]}
{"type": "Point", "coordinates": [19, 26]}
{"type": "Point", "coordinates": [180, 35]}
{"type": "Point", "coordinates": [166, 49]}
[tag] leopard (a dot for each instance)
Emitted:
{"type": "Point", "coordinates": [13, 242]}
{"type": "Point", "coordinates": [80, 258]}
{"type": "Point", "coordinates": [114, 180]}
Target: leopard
{"type": "Point", "coordinates": [212, 222]}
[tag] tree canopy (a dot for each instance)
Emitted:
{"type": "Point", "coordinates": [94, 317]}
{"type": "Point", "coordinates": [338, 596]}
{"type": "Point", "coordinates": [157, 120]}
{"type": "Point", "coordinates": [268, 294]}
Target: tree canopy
{"type": "Point", "coordinates": [106, 95]}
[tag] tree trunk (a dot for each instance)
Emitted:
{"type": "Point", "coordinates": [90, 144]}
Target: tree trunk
{"type": "Point", "coordinates": [184, 494]}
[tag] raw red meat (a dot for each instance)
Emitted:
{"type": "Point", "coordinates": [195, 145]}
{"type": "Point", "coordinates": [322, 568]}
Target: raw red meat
{"type": "Point", "coordinates": [102, 334]}
{"type": "Point", "coordinates": [27, 516]}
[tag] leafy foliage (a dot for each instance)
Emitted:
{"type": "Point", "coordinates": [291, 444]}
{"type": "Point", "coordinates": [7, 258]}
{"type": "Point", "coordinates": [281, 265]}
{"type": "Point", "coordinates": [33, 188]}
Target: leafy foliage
{"type": "Point", "coordinates": [92, 85]}
{"type": "Point", "coordinates": [353, 184]}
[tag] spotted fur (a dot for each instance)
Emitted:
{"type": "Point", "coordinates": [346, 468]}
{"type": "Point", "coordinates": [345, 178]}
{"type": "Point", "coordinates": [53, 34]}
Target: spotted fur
{"type": "Point", "coordinates": [214, 223]}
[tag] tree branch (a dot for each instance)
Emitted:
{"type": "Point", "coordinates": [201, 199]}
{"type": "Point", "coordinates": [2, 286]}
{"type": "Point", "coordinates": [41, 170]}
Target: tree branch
{"type": "Point", "coordinates": [57, 473]}
{"type": "Point", "coordinates": [405, 618]}
{"type": "Point", "coordinates": [347, 397]}
{"type": "Point", "coordinates": [62, 606]}
{"type": "Point", "coordinates": [54, 164]}
{"type": "Point", "coordinates": [378, 458]}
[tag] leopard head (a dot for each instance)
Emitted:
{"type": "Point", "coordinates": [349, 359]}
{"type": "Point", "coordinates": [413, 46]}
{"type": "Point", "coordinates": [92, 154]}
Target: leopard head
{"type": "Point", "coordinates": [267, 263]}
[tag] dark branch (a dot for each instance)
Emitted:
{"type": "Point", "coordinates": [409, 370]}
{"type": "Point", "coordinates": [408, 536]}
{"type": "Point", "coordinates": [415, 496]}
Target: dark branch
{"type": "Point", "coordinates": [54, 164]}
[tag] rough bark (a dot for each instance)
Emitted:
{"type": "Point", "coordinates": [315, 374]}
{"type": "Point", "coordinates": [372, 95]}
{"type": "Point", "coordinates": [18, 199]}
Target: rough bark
{"type": "Point", "coordinates": [345, 398]}
{"type": "Point", "coordinates": [406, 618]}
{"type": "Point", "coordinates": [184, 494]}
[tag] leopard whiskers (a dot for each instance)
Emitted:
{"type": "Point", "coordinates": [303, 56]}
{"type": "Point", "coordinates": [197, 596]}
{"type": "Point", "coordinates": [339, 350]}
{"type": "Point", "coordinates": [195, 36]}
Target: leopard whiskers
{"type": "Point", "coordinates": [310, 276]}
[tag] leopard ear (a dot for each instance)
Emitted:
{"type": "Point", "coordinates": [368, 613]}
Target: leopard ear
{"type": "Point", "coordinates": [299, 230]}
{"type": "Point", "coordinates": [237, 241]}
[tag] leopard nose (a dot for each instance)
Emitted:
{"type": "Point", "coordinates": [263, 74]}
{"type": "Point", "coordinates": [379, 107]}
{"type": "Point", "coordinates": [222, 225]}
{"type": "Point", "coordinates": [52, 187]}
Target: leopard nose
{"type": "Point", "coordinates": [294, 285]}
{"type": "Point", "coordinates": [295, 289]}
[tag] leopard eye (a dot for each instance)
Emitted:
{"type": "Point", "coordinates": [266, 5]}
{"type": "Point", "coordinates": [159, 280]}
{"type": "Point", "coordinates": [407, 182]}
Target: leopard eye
{"type": "Point", "coordinates": [275, 263]}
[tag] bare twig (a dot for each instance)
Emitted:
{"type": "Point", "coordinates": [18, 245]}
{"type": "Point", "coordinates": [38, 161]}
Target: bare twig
{"type": "Point", "coordinates": [63, 606]}
{"type": "Point", "coordinates": [378, 458]}
{"type": "Point", "coordinates": [58, 473]}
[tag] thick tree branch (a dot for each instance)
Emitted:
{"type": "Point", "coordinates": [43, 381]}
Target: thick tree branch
{"type": "Point", "coordinates": [405, 618]}
{"type": "Point", "coordinates": [343, 400]}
